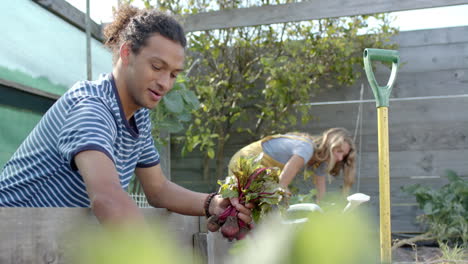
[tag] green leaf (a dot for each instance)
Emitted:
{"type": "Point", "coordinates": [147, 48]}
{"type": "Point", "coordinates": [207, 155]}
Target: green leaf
{"type": "Point", "coordinates": [257, 184]}
{"type": "Point", "coordinates": [452, 176]}
{"type": "Point", "coordinates": [185, 116]}
{"type": "Point", "coordinates": [210, 153]}
{"type": "Point", "coordinates": [173, 102]}
{"type": "Point", "coordinates": [191, 99]}
{"type": "Point", "coordinates": [171, 127]}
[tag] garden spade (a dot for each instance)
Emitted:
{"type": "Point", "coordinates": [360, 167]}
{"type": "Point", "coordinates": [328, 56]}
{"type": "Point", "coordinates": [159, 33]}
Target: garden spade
{"type": "Point", "coordinates": [382, 94]}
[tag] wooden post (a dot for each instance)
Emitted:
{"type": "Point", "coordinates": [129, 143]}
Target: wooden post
{"type": "Point", "coordinates": [89, 70]}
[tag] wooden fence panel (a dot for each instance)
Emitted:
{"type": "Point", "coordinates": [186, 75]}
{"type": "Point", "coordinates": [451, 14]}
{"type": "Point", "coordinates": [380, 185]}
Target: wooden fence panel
{"type": "Point", "coordinates": [46, 235]}
{"type": "Point", "coordinates": [301, 11]}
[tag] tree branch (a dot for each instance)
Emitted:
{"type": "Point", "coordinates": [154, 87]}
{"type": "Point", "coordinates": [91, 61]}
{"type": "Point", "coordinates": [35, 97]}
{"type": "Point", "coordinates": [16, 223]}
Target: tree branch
{"type": "Point", "coordinates": [423, 237]}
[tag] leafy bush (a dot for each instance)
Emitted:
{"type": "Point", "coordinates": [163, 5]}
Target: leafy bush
{"type": "Point", "coordinates": [170, 116]}
{"type": "Point", "coordinates": [446, 209]}
{"type": "Point", "coordinates": [174, 111]}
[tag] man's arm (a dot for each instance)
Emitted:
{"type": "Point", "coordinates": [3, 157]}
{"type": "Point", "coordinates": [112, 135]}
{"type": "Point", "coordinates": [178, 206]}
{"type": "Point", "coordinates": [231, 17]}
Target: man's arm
{"type": "Point", "coordinates": [109, 202]}
{"type": "Point", "coordinates": [161, 192]}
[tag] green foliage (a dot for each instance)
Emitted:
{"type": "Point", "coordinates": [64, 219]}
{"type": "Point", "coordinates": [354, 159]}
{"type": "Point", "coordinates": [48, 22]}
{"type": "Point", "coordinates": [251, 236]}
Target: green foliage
{"type": "Point", "coordinates": [252, 182]}
{"type": "Point", "coordinates": [170, 116]}
{"type": "Point", "coordinates": [328, 238]}
{"type": "Point", "coordinates": [325, 234]}
{"type": "Point", "coordinates": [446, 209]}
{"type": "Point", "coordinates": [453, 254]}
{"type": "Point", "coordinates": [174, 111]}
{"type": "Point", "coordinates": [258, 80]}
{"type": "Point", "coordinates": [133, 245]}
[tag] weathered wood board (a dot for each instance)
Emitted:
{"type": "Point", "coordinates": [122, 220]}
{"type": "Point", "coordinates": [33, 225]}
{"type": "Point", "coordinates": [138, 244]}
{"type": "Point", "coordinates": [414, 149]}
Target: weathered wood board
{"type": "Point", "coordinates": [300, 11]}
{"type": "Point", "coordinates": [47, 235]}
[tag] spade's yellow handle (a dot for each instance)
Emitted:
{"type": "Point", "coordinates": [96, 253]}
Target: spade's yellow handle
{"type": "Point", "coordinates": [382, 94]}
{"type": "Point", "coordinates": [384, 186]}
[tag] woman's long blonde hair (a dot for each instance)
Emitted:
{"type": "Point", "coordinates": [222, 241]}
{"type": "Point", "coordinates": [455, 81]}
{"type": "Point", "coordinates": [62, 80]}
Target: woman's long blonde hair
{"type": "Point", "coordinates": [323, 152]}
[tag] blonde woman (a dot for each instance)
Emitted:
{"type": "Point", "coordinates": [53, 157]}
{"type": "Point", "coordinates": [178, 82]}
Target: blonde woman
{"type": "Point", "coordinates": [330, 153]}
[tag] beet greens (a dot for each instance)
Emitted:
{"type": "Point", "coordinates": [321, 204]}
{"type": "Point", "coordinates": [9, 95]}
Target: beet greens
{"type": "Point", "coordinates": [251, 183]}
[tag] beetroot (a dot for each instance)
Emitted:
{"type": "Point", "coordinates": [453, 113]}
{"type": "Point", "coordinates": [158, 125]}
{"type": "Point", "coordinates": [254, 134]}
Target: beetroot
{"type": "Point", "coordinates": [213, 223]}
{"type": "Point", "coordinates": [250, 182]}
{"type": "Point", "coordinates": [230, 228]}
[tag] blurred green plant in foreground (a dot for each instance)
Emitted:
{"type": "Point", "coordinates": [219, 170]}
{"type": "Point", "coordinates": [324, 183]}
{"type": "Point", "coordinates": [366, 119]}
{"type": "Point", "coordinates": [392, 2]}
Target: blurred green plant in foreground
{"type": "Point", "coordinates": [132, 245]}
{"type": "Point", "coordinates": [331, 237]}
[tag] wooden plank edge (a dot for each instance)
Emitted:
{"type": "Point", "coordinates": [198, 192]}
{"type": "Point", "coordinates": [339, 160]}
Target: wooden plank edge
{"type": "Point", "coordinates": [78, 19]}
{"type": "Point", "coordinates": [29, 89]}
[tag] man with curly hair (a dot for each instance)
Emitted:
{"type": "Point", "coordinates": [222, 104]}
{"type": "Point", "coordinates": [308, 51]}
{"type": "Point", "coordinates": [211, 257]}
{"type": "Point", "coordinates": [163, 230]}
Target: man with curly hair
{"type": "Point", "coordinates": [86, 148]}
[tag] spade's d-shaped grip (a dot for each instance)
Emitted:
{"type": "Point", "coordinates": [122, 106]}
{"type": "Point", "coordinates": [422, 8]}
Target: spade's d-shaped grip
{"type": "Point", "coordinates": [381, 93]}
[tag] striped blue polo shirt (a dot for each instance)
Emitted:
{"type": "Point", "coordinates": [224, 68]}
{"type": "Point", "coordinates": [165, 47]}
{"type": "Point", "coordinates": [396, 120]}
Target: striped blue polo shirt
{"type": "Point", "coordinates": [89, 116]}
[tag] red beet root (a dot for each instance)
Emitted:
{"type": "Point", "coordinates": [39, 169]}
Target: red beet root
{"type": "Point", "coordinates": [213, 224]}
{"type": "Point", "coordinates": [230, 228]}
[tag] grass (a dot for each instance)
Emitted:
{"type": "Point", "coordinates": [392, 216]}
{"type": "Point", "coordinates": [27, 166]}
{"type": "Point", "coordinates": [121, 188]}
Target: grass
{"type": "Point", "coordinates": [444, 255]}
{"type": "Point", "coordinates": [456, 254]}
